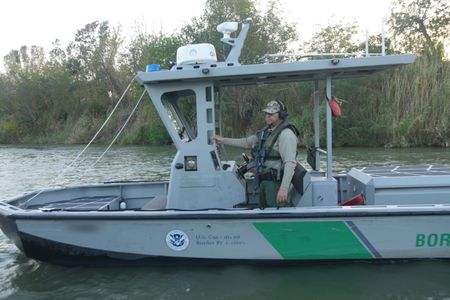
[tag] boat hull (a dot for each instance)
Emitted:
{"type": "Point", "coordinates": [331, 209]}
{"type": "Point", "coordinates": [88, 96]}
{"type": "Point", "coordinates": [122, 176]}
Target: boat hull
{"type": "Point", "coordinates": [221, 236]}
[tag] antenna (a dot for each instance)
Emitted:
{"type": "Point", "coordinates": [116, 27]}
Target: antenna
{"type": "Point", "coordinates": [383, 46]}
{"type": "Point", "coordinates": [367, 43]}
{"type": "Point", "coordinates": [236, 43]}
{"type": "Point", "coordinates": [227, 28]}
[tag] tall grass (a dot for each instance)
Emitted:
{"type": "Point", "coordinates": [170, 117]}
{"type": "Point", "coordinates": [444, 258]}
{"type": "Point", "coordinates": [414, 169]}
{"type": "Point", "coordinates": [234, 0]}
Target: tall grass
{"type": "Point", "coordinates": [416, 101]}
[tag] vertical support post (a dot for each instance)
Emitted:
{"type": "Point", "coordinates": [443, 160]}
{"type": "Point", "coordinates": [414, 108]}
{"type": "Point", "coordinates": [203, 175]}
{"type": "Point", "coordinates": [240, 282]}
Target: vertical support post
{"type": "Point", "coordinates": [329, 132]}
{"type": "Point", "coordinates": [367, 43]}
{"type": "Point", "coordinates": [383, 45]}
{"type": "Point", "coordinates": [316, 124]}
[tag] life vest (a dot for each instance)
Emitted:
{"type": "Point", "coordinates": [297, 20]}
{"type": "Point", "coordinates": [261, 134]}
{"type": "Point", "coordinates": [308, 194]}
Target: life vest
{"type": "Point", "coordinates": [267, 151]}
{"type": "Point", "coordinates": [270, 138]}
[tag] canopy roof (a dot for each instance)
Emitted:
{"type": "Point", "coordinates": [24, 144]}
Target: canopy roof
{"type": "Point", "coordinates": [224, 75]}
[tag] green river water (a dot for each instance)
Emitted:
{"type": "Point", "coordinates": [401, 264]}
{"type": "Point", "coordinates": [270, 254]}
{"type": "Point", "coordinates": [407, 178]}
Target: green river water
{"type": "Point", "coordinates": [23, 169]}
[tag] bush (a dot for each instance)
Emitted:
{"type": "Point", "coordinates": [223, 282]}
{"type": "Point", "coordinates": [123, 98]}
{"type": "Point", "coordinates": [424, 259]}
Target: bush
{"type": "Point", "coordinates": [11, 131]}
{"type": "Point", "coordinates": [155, 134]}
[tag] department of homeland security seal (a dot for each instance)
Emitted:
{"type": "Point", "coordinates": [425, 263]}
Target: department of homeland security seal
{"type": "Point", "coordinates": [177, 240]}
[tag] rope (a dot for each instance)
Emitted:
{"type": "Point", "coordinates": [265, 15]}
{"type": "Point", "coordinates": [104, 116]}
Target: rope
{"type": "Point", "coordinates": [87, 146]}
{"type": "Point", "coordinates": [98, 132]}
{"type": "Point", "coordinates": [118, 133]}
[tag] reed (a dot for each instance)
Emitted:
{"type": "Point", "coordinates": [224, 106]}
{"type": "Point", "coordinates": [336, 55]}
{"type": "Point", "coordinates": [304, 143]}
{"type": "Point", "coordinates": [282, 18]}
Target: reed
{"type": "Point", "coordinates": [416, 104]}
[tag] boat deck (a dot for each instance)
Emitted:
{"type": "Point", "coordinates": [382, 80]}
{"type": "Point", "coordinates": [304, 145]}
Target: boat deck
{"type": "Point", "coordinates": [81, 204]}
{"type": "Point", "coordinates": [404, 171]}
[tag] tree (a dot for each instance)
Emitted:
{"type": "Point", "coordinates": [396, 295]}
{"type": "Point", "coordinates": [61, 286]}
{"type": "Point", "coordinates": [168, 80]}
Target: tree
{"type": "Point", "coordinates": [151, 48]}
{"type": "Point", "coordinates": [334, 38]}
{"type": "Point", "coordinates": [12, 63]}
{"type": "Point", "coordinates": [57, 55]}
{"type": "Point", "coordinates": [19, 63]}
{"type": "Point", "coordinates": [421, 25]}
{"type": "Point", "coordinates": [272, 33]}
{"type": "Point", "coordinates": [94, 54]}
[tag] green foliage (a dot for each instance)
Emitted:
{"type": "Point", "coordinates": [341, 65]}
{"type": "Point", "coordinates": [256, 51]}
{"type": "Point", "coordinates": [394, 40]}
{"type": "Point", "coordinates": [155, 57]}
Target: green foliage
{"type": "Point", "coordinates": [147, 129]}
{"type": "Point", "coordinates": [94, 53]}
{"type": "Point", "coordinates": [420, 25]}
{"type": "Point", "coordinates": [334, 38]}
{"type": "Point", "coordinates": [155, 134]}
{"type": "Point", "coordinates": [65, 96]}
{"type": "Point", "coordinates": [418, 106]}
{"type": "Point", "coordinates": [12, 131]}
{"type": "Point", "coordinates": [163, 50]}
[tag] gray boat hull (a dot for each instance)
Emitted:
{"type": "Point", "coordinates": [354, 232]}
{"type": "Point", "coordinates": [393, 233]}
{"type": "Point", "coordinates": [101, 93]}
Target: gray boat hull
{"type": "Point", "coordinates": [266, 236]}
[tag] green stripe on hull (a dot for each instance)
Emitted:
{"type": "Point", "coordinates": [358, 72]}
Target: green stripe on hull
{"type": "Point", "coordinates": [313, 240]}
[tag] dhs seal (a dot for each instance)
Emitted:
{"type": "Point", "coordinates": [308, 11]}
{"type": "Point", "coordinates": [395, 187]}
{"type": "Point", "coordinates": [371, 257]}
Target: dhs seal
{"type": "Point", "coordinates": [177, 240]}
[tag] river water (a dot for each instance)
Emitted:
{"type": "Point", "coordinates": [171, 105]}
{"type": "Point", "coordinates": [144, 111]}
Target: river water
{"type": "Point", "coordinates": [24, 169]}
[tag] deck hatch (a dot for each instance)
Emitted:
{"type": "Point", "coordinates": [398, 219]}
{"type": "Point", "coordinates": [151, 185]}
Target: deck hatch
{"type": "Point", "coordinates": [401, 185]}
{"type": "Point", "coordinates": [419, 170]}
{"type": "Point", "coordinates": [77, 204]}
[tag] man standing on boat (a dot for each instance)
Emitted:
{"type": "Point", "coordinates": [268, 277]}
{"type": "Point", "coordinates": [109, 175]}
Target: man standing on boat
{"type": "Point", "coordinates": [275, 149]}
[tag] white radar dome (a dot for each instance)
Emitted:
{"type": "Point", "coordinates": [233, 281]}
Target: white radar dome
{"type": "Point", "coordinates": [196, 54]}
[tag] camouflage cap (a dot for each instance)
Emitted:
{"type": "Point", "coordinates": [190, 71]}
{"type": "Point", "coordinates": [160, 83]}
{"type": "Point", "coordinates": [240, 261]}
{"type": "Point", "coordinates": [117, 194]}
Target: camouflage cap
{"type": "Point", "coordinates": [272, 107]}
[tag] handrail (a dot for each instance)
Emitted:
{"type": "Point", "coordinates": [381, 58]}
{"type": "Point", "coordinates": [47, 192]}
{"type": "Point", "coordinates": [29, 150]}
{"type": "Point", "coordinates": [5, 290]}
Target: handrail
{"type": "Point", "coordinates": [267, 57]}
{"type": "Point", "coordinates": [321, 151]}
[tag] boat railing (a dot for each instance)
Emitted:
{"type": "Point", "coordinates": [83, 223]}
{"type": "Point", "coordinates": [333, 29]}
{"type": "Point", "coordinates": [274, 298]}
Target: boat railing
{"type": "Point", "coordinates": [312, 55]}
{"type": "Point", "coordinates": [268, 58]}
{"type": "Point", "coordinates": [321, 151]}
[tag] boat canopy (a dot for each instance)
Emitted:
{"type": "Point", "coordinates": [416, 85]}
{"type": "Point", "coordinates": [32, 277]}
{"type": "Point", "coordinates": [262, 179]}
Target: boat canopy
{"type": "Point", "coordinates": [336, 68]}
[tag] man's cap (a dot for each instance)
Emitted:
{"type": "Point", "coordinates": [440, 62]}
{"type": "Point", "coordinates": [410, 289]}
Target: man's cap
{"type": "Point", "coordinates": [272, 107]}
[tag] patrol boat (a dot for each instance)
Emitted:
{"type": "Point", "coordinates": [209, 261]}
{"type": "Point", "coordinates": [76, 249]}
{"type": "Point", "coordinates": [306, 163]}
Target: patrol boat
{"type": "Point", "coordinates": [208, 210]}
